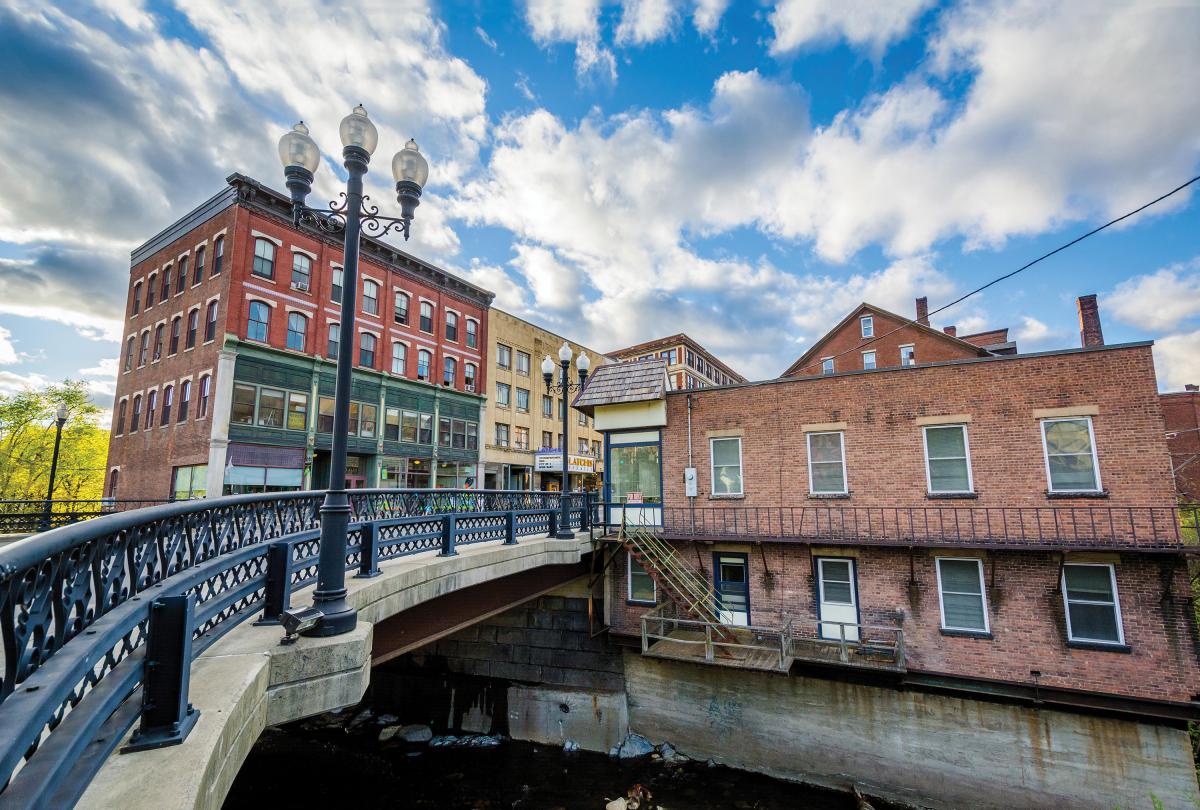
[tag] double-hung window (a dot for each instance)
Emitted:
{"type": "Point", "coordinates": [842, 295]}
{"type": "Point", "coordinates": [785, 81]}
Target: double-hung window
{"type": "Point", "coordinates": [503, 356]}
{"type": "Point", "coordinates": [908, 356]}
{"type": "Point", "coordinates": [827, 365]}
{"type": "Point", "coordinates": [264, 259]}
{"type": "Point", "coordinates": [400, 315]}
{"type": "Point", "coordinates": [451, 326]}
{"type": "Point", "coordinates": [335, 339]}
{"type": "Point", "coordinates": [503, 395]}
{"type": "Point", "coordinates": [218, 255]}
{"type": "Point", "coordinates": [301, 271]}
{"type": "Point", "coordinates": [472, 333]}
{"type": "Point", "coordinates": [868, 360]}
{"type": "Point", "coordinates": [501, 434]}
{"type": "Point", "coordinates": [726, 466]}
{"type": "Point", "coordinates": [547, 406]}
{"type": "Point", "coordinates": [826, 463]}
{"type": "Point", "coordinates": [370, 302]}
{"type": "Point", "coordinates": [366, 350]}
{"type": "Point", "coordinates": [640, 586]}
{"type": "Point", "coordinates": [867, 322]}
{"type": "Point", "coordinates": [449, 371]}
{"type": "Point", "coordinates": [335, 285]}
{"type": "Point", "coordinates": [426, 317]}
{"type": "Point", "coordinates": [947, 459]}
{"type": "Point", "coordinates": [399, 358]}
{"type": "Point", "coordinates": [210, 324]}
{"type": "Point", "coordinates": [424, 361]}
{"type": "Point", "coordinates": [961, 596]}
{"type": "Point", "coordinates": [258, 324]}
{"type": "Point", "coordinates": [297, 330]}
{"type": "Point", "coordinates": [523, 400]}
{"type": "Point", "coordinates": [1070, 449]}
{"type": "Point", "coordinates": [1093, 612]}
{"type": "Point", "coordinates": [523, 363]}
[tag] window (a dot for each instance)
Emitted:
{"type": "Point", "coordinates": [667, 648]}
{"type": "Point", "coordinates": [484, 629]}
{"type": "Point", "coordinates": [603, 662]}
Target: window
{"type": "Point", "coordinates": [868, 360]}
{"type": "Point", "coordinates": [562, 409]}
{"type": "Point", "coordinates": [451, 326]}
{"type": "Point", "coordinates": [242, 412]}
{"type": "Point", "coordinates": [960, 593]}
{"type": "Point", "coordinates": [401, 312]}
{"type": "Point", "coordinates": [503, 395]}
{"type": "Point", "coordinates": [301, 272]}
{"type": "Point", "coordinates": [1070, 450]}
{"type": "Point", "coordinates": [827, 365]}
{"type": "Point", "coordinates": [335, 337]}
{"type": "Point", "coordinates": [136, 414]}
{"type": "Point", "coordinates": [523, 363]}
{"type": "Point", "coordinates": [325, 415]}
{"type": "Point", "coordinates": [189, 482]}
{"type": "Point", "coordinates": [826, 464]}
{"type": "Point", "coordinates": [521, 438]}
{"type": "Point", "coordinates": [129, 346]}
{"type": "Point", "coordinates": [205, 386]}
{"type": "Point", "coordinates": [370, 303]}
{"type": "Point", "coordinates": [947, 459]}
{"type": "Point", "coordinates": [908, 356]}
{"type": "Point", "coordinates": [460, 434]}
{"type": "Point", "coordinates": [192, 327]}
{"type": "Point", "coordinates": [469, 377]}
{"type": "Point", "coordinates": [297, 413]}
{"type": "Point", "coordinates": [503, 356]}
{"type": "Point", "coordinates": [366, 350]}
{"type": "Point", "coordinates": [151, 408]}
{"type": "Point", "coordinates": [368, 422]}
{"type": "Point", "coordinates": [119, 427]}
{"type": "Point", "coordinates": [583, 445]}
{"type": "Point", "coordinates": [264, 258]}
{"type": "Point", "coordinates": [165, 292]}
{"type": "Point", "coordinates": [297, 331]}
{"type": "Point", "coordinates": [399, 358]}
{"type": "Point", "coordinates": [198, 271]}
{"type": "Point", "coordinates": [444, 431]}
{"type": "Point", "coordinates": [183, 275]}
{"type": "Point", "coordinates": [424, 361]}
{"type": "Point", "coordinates": [547, 439]}
{"type": "Point", "coordinates": [150, 285]}
{"type": "Point", "coordinates": [582, 418]}
{"type": "Point", "coordinates": [158, 341]}
{"type": "Point", "coordinates": [472, 436]}
{"type": "Point", "coordinates": [167, 403]}
{"type": "Point", "coordinates": [523, 400]}
{"type": "Point", "coordinates": [176, 329]}
{"type": "Point", "coordinates": [427, 317]}
{"type": "Point", "coordinates": [596, 448]}
{"type": "Point", "coordinates": [726, 466]}
{"type": "Point", "coordinates": [472, 334]}
{"type": "Point", "coordinates": [868, 325]}
{"type": "Point", "coordinates": [449, 371]}
{"type": "Point", "coordinates": [547, 405]}
{"type": "Point", "coordinates": [408, 426]}
{"type": "Point", "coordinates": [501, 434]}
{"type": "Point", "coordinates": [259, 323]}
{"type": "Point", "coordinates": [218, 255]}
{"type": "Point", "coordinates": [137, 298]}
{"type": "Point", "coordinates": [144, 352]}
{"type": "Point", "coordinates": [635, 468]}
{"type": "Point", "coordinates": [335, 285]}
{"type": "Point", "coordinates": [1093, 612]}
{"type": "Point", "coordinates": [391, 424]}
{"type": "Point", "coordinates": [640, 586]}
{"type": "Point", "coordinates": [355, 407]}
{"type": "Point", "coordinates": [210, 325]}
{"type": "Point", "coordinates": [185, 398]}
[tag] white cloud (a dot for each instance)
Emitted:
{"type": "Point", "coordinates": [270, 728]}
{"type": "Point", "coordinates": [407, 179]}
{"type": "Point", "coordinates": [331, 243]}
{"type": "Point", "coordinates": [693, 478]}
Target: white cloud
{"type": "Point", "coordinates": [1177, 360]}
{"type": "Point", "coordinates": [552, 21]}
{"type": "Point", "coordinates": [644, 21]}
{"type": "Point", "coordinates": [8, 352]}
{"type": "Point", "coordinates": [870, 23]}
{"type": "Point", "coordinates": [523, 86]}
{"type": "Point", "coordinates": [484, 38]}
{"type": "Point", "coordinates": [12, 383]}
{"type": "Point", "coordinates": [707, 15]}
{"type": "Point", "coordinates": [1158, 301]}
{"type": "Point", "coordinates": [1032, 334]}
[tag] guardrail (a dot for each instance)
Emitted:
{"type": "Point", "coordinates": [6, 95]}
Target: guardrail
{"type": "Point", "coordinates": [90, 611]}
{"type": "Point", "coordinates": [715, 641]}
{"type": "Point", "coordinates": [27, 517]}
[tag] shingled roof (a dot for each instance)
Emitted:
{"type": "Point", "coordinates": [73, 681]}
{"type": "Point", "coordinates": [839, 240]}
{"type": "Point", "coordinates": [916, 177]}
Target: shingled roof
{"type": "Point", "coordinates": [612, 384]}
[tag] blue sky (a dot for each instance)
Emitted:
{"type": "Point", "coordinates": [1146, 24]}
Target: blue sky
{"type": "Point", "coordinates": [743, 171]}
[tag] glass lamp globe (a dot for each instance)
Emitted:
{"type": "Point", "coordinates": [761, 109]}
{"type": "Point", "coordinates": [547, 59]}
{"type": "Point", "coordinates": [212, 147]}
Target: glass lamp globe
{"type": "Point", "coordinates": [584, 362]}
{"type": "Point", "coordinates": [547, 366]}
{"type": "Point", "coordinates": [564, 353]}
{"type": "Point", "coordinates": [297, 148]}
{"type": "Point", "coordinates": [357, 130]}
{"type": "Point", "coordinates": [409, 165]}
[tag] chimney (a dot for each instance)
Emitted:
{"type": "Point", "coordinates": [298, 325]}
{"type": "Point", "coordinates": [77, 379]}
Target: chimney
{"type": "Point", "coordinates": [1191, 387]}
{"type": "Point", "coordinates": [1090, 333]}
{"type": "Point", "coordinates": [923, 311]}
{"type": "Point", "coordinates": [952, 331]}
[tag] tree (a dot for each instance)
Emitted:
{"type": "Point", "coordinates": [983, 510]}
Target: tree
{"type": "Point", "coordinates": [27, 444]}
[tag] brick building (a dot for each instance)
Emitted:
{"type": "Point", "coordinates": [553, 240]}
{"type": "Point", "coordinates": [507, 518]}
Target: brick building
{"type": "Point", "coordinates": [226, 378]}
{"type": "Point", "coordinates": [689, 365]}
{"type": "Point", "coordinates": [1181, 417]}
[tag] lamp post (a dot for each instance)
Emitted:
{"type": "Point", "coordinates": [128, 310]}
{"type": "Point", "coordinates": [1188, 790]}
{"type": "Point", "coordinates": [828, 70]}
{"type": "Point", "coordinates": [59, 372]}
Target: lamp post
{"type": "Point", "coordinates": [60, 419]}
{"type": "Point", "coordinates": [301, 157]}
{"type": "Point", "coordinates": [565, 387]}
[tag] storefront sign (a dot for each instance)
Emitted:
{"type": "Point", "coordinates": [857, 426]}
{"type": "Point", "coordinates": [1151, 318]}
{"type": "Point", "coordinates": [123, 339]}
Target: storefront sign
{"type": "Point", "coordinates": [633, 497]}
{"type": "Point", "coordinates": [552, 462]}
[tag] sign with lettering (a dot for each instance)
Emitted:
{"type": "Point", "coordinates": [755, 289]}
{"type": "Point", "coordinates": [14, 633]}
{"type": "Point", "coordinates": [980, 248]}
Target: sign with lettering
{"type": "Point", "coordinates": [633, 497]}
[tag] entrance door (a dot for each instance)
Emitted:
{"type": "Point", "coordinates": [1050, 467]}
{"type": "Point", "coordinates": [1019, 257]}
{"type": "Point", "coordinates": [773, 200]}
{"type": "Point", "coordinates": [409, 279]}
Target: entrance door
{"type": "Point", "coordinates": [732, 581]}
{"type": "Point", "coordinates": [355, 482]}
{"type": "Point", "coordinates": [838, 597]}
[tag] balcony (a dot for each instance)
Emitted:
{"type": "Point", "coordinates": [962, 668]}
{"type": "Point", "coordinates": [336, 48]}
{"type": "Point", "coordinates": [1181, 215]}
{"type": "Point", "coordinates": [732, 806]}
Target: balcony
{"type": "Point", "coordinates": [1141, 528]}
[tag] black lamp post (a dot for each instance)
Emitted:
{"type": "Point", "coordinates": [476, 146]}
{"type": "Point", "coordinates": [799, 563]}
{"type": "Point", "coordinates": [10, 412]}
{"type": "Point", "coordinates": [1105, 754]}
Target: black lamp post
{"type": "Point", "coordinates": [301, 157]}
{"type": "Point", "coordinates": [59, 420]}
{"type": "Point", "coordinates": [565, 387]}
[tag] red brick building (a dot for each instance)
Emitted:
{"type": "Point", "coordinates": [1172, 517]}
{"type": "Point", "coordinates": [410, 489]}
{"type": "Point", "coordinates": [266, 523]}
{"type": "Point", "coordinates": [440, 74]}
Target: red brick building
{"type": "Point", "coordinates": [689, 365]}
{"type": "Point", "coordinates": [1181, 416]}
{"type": "Point", "coordinates": [226, 376]}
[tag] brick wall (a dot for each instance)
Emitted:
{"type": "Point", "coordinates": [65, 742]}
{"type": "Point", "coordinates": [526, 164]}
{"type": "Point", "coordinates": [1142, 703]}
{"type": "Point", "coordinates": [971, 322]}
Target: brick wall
{"type": "Point", "coordinates": [1181, 415]}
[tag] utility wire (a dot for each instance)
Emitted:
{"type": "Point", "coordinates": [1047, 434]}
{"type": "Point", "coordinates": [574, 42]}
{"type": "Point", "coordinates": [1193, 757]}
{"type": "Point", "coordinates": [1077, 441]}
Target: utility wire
{"type": "Point", "coordinates": [1020, 269]}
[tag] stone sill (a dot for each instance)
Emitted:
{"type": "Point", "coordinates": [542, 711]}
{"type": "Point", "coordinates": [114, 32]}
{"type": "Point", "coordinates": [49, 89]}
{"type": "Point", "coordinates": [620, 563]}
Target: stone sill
{"type": "Point", "coordinates": [828, 496]}
{"type": "Point", "coordinates": [1099, 646]}
{"type": "Point", "coordinates": [1056, 496]}
{"type": "Point", "coordinates": [952, 496]}
{"type": "Point", "coordinates": [967, 634]}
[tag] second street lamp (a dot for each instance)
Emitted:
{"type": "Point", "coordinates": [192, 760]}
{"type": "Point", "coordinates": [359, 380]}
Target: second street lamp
{"type": "Point", "coordinates": [565, 387]}
{"type": "Point", "coordinates": [301, 158]}
{"type": "Point", "coordinates": [60, 419]}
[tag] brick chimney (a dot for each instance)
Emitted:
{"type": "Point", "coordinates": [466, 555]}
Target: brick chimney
{"type": "Point", "coordinates": [1090, 333]}
{"type": "Point", "coordinates": [952, 331]}
{"type": "Point", "coordinates": [923, 311]}
{"type": "Point", "coordinates": [1191, 387]}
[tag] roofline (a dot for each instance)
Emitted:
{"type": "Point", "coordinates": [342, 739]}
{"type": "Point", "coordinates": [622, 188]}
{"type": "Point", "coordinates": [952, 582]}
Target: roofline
{"type": "Point", "coordinates": [595, 352]}
{"type": "Point", "coordinates": [685, 338]}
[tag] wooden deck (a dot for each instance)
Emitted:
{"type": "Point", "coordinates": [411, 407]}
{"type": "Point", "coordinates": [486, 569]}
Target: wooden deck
{"type": "Point", "coordinates": [747, 653]}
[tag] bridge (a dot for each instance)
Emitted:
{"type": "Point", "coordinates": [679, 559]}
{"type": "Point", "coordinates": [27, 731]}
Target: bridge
{"type": "Point", "coordinates": [129, 632]}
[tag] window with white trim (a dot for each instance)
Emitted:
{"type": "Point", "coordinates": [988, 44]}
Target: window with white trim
{"type": "Point", "coordinates": [1070, 449]}
{"type": "Point", "coordinates": [424, 361]}
{"type": "Point", "coordinates": [472, 333]}
{"type": "Point", "coordinates": [301, 271]}
{"type": "Point", "coordinates": [297, 330]}
{"type": "Point", "coordinates": [469, 377]}
{"type": "Point", "coordinates": [868, 360]}
{"type": "Point", "coordinates": [1093, 611]}
{"type": "Point", "coordinates": [961, 595]}
{"type": "Point", "coordinates": [399, 358]}
{"type": "Point", "coordinates": [826, 463]}
{"type": "Point", "coordinates": [335, 284]}
{"type": "Point", "coordinates": [640, 587]}
{"type": "Point", "coordinates": [400, 314]}
{"type": "Point", "coordinates": [726, 466]}
{"type": "Point", "coordinates": [867, 324]}
{"type": "Point", "coordinates": [451, 325]}
{"type": "Point", "coordinates": [426, 323]}
{"type": "Point", "coordinates": [264, 259]}
{"type": "Point", "coordinates": [908, 355]}
{"type": "Point", "coordinates": [370, 302]}
{"type": "Point", "coordinates": [827, 365]}
{"type": "Point", "coordinates": [947, 459]}
{"type": "Point", "coordinates": [258, 324]}
{"type": "Point", "coordinates": [366, 350]}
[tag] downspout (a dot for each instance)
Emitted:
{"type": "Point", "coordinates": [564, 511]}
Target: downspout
{"type": "Point", "coordinates": [691, 498]}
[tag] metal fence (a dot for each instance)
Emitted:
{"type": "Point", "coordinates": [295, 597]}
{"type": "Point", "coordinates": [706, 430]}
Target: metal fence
{"type": "Point", "coordinates": [27, 517]}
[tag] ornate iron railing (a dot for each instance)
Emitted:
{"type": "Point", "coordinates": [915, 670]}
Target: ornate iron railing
{"type": "Point", "coordinates": [76, 602]}
{"type": "Point", "coordinates": [26, 517]}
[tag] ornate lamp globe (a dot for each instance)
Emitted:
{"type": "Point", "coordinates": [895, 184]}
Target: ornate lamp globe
{"type": "Point", "coordinates": [356, 129]}
{"type": "Point", "coordinates": [297, 148]}
{"type": "Point", "coordinates": [564, 353]}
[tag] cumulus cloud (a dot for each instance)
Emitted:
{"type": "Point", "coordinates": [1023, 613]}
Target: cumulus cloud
{"type": "Point", "coordinates": [1158, 301]}
{"type": "Point", "coordinates": [707, 15]}
{"type": "Point", "coordinates": [644, 21]}
{"type": "Point", "coordinates": [860, 22]}
{"type": "Point", "coordinates": [1177, 360]}
{"type": "Point", "coordinates": [8, 352]}
{"type": "Point", "coordinates": [12, 382]}
{"type": "Point", "coordinates": [1033, 334]}
{"type": "Point", "coordinates": [553, 22]}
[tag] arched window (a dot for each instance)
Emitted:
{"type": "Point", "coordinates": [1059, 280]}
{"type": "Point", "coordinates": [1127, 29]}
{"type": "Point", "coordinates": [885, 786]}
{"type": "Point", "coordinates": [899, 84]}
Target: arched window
{"type": "Point", "coordinates": [335, 338]}
{"type": "Point", "coordinates": [260, 321]}
{"type": "Point", "coordinates": [424, 361]}
{"type": "Point", "coordinates": [366, 350]}
{"type": "Point", "coordinates": [401, 316]}
{"type": "Point", "coordinates": [451, 326]}
{"type": "Point", "coordinates": [151, 407]}
{"type": "Point", "coordinates": [119, 427]}
{"type": "Point", "coordinates": [370, 298]}
{"type": "Point", "coordinates": [112, 483]}
{"type": "Point", "coordinates": [469, 375]}
{"type": "Point", "coordinates": [165, 293]}
{"type": "Point", "coordinates": [210, 325]}
{"type": "Point", "coordinates": [185, 397]}
{"type": "Point", "coordinates": [399, 358]}
{"type": "Point", "coordinates": [129, 346]}
{"type": "Point", "coordinates": [198, 272]}
{"type": "Point", "coordinates": [335, 285]}
{"type": "Point", "coordinates": [301, 272]}
{"type": "Point", "coordinates": [297, 330]}
{"type": "Point", "coordinates": [202, 406]}
{"type": "Point", "coordinates": [168, 397]}
{"type": "Point", "coordinates": [150, 282]}
{"type": "Point", "coordinates": [176, 328]}
{"type": "Point", "coordinates": [183, 264]}
{"type": "Point", "coordinates": [472, 333]}
{"type": "Point", "coordinates": [137, 298]}
{"type": "Point", "coordinates": [158, 341]}
{"type": "Point", "coordinates": [218, 255]}
{"type": "Point", "coordinates": [427, 317]}
{"type": "Point", "coordinates": [449, 371]}
{"type": "Point", "coordinates": [144, 351]}
{"type": "Point", "coordinates": [193, 326]}
{"type": "Point", "coordinates": [136, 414]}
{"type": "Point", "coordinates": [264, 258]}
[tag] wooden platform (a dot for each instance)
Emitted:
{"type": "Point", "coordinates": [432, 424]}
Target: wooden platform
{"type": "Point", "coordinates": [748, 653]}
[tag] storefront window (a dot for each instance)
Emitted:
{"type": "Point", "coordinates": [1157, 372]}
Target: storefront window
{"type": "Point", "coordinates": [391, 424]}
{"type": "Point", "coordinates": [408, 431]}
{"type": "Point", "coordinates": [325, 415]}
{"type": "Point", "coordinates": [189, 482]}
{"type": "Point", "coordinates": [240, 480]}
{"type": "Point", "coordinates": [405, 473]}
{"type": "Point", "coordinates": [635, 469]}
{"type": "Point", "coordinates": [297, 417]}
{"type": "Point", "coordinates": [443, 433]}
{"type": "Point", "coordinates": [452, 475]}
{"type": "Point", "coordinates": [368, 422]}
{"type": "Point", "coordinates": [426, 435]}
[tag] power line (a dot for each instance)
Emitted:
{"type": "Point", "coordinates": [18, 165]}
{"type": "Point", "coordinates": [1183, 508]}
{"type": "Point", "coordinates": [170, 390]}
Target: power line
{"type": "Point", "coordinates": [1022, 268]}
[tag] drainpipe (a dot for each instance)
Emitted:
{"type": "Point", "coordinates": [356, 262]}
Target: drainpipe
{"type": "Point", "coordinates": [691, 466]}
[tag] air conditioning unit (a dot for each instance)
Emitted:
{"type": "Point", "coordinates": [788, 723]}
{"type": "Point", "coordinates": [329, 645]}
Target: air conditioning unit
{"type": "Point", "coordinates": [469, 387]}
{"type": "Point", "coordinates": [302, 286]}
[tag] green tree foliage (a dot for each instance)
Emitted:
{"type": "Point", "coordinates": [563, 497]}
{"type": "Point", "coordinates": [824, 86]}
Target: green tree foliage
{"type": "Point", "coordinates": [27, 444]}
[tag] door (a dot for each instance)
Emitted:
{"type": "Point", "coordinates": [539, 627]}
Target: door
{"type": "Point", "coordinates": [837, 597]}
{"type": "Point", "coordinates": [355, 482]}
{"type": "Point", "coordinates": [732, 584]}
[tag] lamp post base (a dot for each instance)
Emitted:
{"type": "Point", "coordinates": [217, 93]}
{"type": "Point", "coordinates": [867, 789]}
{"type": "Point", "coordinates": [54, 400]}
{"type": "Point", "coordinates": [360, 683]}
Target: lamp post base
{"type": "Point", "coordinates": [564, 535]}
{"type": "Point", "coordinates": [335, 620]}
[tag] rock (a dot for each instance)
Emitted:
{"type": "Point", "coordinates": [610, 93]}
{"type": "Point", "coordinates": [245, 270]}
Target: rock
{"type": "Point", "coordinates": [712, 763]}
{"type": "Point", "coordinates": [617, 804]}
{"type": "Point", "coordinates": [484, 741]}
{"type": "Point", "coordinates": [387, 719]}
{"type": "Point", "coordinates": [359, 719]}
{"type": "Point", "coordinates": [388, 733]}
{"type": "Point", "coordinates": [570, 747]}
{"type": "Point", "coordinates": [669, 754]}
{"type": "Point", "coordinates": [442, 742]}
{"type": "Point", "coordinates": [415, 733]}
{"type": "Point", "coordinates": [635, 745]}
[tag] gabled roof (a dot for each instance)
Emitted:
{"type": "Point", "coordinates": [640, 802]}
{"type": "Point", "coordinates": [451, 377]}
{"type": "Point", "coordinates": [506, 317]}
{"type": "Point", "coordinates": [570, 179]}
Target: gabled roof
{"type": "Point", "coordinates": [616, 383]}
{"type": "Point", "coordinates": [814, 351]}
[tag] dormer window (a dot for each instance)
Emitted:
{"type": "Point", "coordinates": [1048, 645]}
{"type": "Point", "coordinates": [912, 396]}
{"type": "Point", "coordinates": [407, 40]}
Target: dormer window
{"type": "Point", "coordinates": [867, 322]}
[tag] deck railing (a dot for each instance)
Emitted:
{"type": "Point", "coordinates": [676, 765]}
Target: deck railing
{"type": "Point", "coordinates": [666, 623]}
{"type": "Point", "coordinates": [27, 517]}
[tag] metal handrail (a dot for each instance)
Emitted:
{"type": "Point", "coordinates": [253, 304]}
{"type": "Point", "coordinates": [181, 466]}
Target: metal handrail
{"type": "Point", "coordinates": [664, 559]}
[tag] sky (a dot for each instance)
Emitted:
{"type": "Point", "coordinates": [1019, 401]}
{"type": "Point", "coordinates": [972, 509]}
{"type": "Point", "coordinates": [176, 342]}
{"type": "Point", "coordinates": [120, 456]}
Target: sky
{"type": "Point", "coordinates": [745, 172]}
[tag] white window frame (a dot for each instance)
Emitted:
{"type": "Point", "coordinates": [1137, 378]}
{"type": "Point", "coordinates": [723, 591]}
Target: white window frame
{"type": "Point", "coordinates": [987, 622]}
{"type": "Point", "coordinates": [874, 360]}
{"type": "Point", "coordinates": [1116, 604]}
{"type": "Point", "coordinates": [832, 365]}
{"type": "Point", "coordinates": [866, 325]}
{"type": "Point", "coordinates": [712, 467]}
{"type": "Point", "coordinates": [970, 490]}
{"type": "Point", "coordinates": [841, 434]}
{"type": "Point", "coordinates": [629, 563]}
{"type": "Point", "coordinates": [1046, 454]}
{"type": "Point", "coordinates": [910, 360]}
